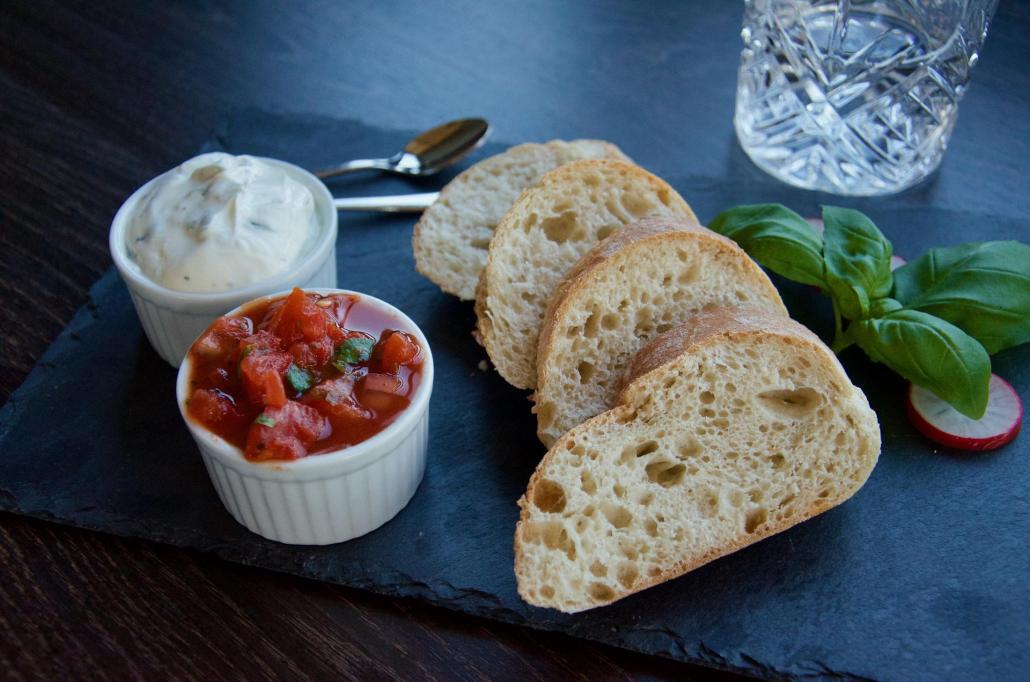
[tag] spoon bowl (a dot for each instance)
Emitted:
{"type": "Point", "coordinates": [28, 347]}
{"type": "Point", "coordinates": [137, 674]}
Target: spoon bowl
{"type": "Point", "coordinates": [425, 154]}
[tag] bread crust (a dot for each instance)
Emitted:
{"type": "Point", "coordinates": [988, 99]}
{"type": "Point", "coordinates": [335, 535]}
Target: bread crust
{"type": "Point", "coordinates": [657, 232]}
{"type": "Point", "coordinates": [706, 328]}
{"type": "Point", "coordinates": [559, 149]}
{"type": "Point", "coordinates": [713, 323]}
{"type": "Point", "coordinates": [570, 173]}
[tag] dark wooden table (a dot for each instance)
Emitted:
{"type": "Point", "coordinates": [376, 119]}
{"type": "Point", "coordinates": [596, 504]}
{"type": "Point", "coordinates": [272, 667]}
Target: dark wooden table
{"type": "Point", "coordinates": [95, 98]}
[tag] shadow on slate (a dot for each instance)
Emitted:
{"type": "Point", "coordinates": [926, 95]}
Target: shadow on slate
{"type": "Point", "coordinates": [923, 574]}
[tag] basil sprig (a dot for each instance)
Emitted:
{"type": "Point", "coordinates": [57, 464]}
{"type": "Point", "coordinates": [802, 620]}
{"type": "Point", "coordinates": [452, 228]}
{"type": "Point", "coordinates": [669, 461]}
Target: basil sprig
{"type": "Point", "coordinates": [934, 321]}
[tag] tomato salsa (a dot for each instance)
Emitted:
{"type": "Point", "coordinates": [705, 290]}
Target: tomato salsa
{"type": "Point", "coordinates": [302, 374]}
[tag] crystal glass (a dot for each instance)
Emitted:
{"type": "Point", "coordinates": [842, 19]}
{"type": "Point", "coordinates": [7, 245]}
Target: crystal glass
{"type": "Point", "coordinates": [854, 97]}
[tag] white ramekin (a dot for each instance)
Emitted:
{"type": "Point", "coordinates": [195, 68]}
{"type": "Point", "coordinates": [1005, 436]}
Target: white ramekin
{"type": "Point", "coordinates": [332, 496]}
{"type": "Point", "coordinates": [173, 319]}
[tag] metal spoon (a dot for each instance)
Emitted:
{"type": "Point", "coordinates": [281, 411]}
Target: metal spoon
{"type": "Point", "coordinates": [427, 153]}
{"type": "Point", "coordinates": [397, 203]}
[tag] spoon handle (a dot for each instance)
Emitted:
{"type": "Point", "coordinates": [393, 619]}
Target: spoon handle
{"type": "Point", "coordinates": [398, 203]}
{"type": "Point", "coordinates": [351, 166]}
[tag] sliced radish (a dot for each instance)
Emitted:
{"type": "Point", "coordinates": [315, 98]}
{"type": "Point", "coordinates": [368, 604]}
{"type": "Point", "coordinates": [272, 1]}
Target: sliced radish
{"type": "Point", "coordinates": [942, 423]}
{"type": "Point", "coordinates": [897, 262]}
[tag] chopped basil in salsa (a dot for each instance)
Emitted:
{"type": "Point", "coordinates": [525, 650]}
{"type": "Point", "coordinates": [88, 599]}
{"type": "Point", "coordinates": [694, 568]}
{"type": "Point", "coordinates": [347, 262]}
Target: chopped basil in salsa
{"type": "Point", "coordinates": [264, 420]}
{"type": "Point", "coordinates": [352, 351]}
{"type": "Point", "coordinates": [299, 378]}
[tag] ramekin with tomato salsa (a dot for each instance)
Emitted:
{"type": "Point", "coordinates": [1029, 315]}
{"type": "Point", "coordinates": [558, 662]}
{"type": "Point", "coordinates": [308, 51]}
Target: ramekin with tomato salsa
{"type": "Point", "coordinates": [310, 409]}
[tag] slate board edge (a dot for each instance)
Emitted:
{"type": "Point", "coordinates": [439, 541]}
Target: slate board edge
{"type": "Point", "coordinates": [467, 601]}
{"type": "Point", "coordinates": [471, 602]}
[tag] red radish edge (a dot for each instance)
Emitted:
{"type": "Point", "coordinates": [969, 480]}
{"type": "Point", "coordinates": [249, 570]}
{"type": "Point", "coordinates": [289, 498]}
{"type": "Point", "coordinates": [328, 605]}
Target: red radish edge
{"type": "Point", "coordinates": [996, 401]}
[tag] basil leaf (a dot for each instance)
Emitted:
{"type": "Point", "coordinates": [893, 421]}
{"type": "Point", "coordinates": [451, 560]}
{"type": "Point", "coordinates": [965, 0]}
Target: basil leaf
{"type": "Point", "coordinates": [858, 260]}
{"type": "Point", "coordinates": [264, 420]}
{"type": "Point", "coordinates": [883, 306]}
{"type": "Point", "coordinates": [298, 377]}
{"type": "Point", "coordinates": [776, 237]}
{"type": "Point", "coordinates": [351, 351]}
{"type": "Point", "coordinates": [930, 352]}
{"type": "Point", "coordinates": [982, 288]}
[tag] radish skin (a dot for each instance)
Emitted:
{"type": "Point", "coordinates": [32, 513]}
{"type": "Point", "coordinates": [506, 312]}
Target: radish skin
{"type": "Point", "coordinates": [943, 424]}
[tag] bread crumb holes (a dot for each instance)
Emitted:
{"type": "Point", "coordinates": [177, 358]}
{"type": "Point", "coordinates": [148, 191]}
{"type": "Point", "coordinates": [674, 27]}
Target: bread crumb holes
{"type": "Point", "coordinates": [549, 497]}
{"type": "Point", "coordinates": [755, 518]}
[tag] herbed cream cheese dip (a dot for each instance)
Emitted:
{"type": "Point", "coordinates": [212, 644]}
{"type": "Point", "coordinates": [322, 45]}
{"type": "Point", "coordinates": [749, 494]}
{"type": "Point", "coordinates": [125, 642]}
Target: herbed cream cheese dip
{"type": "Point", "coordinates": [220, 222]}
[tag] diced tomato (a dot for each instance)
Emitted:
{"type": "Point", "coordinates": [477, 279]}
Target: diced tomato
{"type": "Point", "coordinates": [333, 390]}
{"type": "Point", "coordinates": [301, 319]}
{"type": "Point", "coordinates": [222, 336]}
{"type": "Point", "coordinates": [314, 322]}
{"type": "Point", "coordinates": [285, 320]}
{"type": "Point", "coordinates": [261, 372]}
{"type": "Point", "coordinates": [211, 406]}
{"type": "Point", "coordinates": [314, 353]}
{"type": "Point", "coordinates": [395, 349]}
{"type": "Point", "coordinates": [383, 393]}
{"type": "Point", "coordinates": [383, 403]}
{"type": "Point", "coordinates": [261, 340]}
{"type": "Point", "coordinates": [384, 383]}
{"type": "Point", "coordinates": [334, 332]}
{"type": "Point", "coordinates": [219, 378]}
{"type": "Point", "coordinates": [286, 433]}
{"type": "Point", "coordinates": [335, 397]}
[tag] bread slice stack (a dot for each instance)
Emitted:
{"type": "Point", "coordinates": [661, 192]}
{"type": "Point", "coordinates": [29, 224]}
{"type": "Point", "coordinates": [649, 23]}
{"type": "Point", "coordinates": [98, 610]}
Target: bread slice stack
{"type": "Point", "coordinates": [540, 239]}
{"type": "Point", "coordinates": [451, 239]}
{"type": "Point", "coordinates": [687, 415]}
{"type": "Point", "coordinates": [632, 286]}
{"type": "Point", "coordinates": [729, 428]}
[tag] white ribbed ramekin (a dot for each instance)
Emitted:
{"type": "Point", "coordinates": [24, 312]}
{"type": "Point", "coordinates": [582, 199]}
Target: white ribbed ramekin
{"type": "Point", "coordinates": [332, 496]}
{"type": "Point", "coordinates": [173, 319]}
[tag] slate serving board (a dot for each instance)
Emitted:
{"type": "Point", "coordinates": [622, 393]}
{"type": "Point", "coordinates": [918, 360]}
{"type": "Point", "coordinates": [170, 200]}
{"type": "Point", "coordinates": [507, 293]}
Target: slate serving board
{"type": "Point", "coordinates": [925, 573]}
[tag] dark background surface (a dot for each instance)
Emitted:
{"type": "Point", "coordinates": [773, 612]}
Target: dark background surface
{"type": "Point", "coordinates": [98, 98]}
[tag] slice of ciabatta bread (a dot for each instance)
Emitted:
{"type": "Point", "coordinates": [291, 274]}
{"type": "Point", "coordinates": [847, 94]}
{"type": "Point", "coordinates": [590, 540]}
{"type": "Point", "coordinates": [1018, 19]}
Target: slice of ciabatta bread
{"type": "Point", "coordinates": [542, 236]}
{"type": "Point", "coordinates": [639, 282]}
{"type": "Point", "coordinates": [451, 238]}
{"type": "Point", "coordinates": [730, 428]}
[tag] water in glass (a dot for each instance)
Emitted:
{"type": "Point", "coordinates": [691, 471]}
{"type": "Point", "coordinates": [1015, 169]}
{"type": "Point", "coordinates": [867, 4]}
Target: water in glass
{"type": "Point", "coordinates": [854, 97]}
